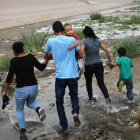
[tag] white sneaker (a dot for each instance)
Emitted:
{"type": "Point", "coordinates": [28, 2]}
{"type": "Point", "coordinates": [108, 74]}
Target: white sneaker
{"type": "Point", "coordinates": [42, 115]}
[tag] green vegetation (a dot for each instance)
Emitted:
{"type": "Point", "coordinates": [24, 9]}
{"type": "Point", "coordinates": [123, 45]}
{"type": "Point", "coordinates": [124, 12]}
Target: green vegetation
{"type": "Point", "coordinates": [103, 55]}
{"type": "Point", "coordinates": [123, 27]}
{"type": "Point", "coordinates": [32, 40]}
{"type": "Point", "coordinates": [79, 34]}
{"type": "Point", "coordinates": [105, 19]}
{"type": "Point", "coordinates": [4, 62]}
{"type": "Point", "coordinates": [136, 1]}
{"type": "Point", "coordinates": [134, 8]}
{"type": "Point", "coordinates": [131, 46]}
{"type": "Point", "coordinates": [135, 19]}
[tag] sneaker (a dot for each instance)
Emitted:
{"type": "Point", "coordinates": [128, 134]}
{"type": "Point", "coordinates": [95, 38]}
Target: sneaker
{"type": "Point", "coordinates": [41, 113]}
{"type": "Point", "coordinates": [23, 135]}
{"type": "Point", "coordinates": [65, 132]}
{"type": "Point", "coordinates": [91, 100]}
{"type": "Point", "coordinates": [109, 105]}
{"type": "Point", "coordinates": [124, 96]}
{"type": "Point", "coordinates": [121, 86]}
{"type": "Point", "coordinates": [130, 101]}
{"type": "Point", "coordinates": [76, 120]}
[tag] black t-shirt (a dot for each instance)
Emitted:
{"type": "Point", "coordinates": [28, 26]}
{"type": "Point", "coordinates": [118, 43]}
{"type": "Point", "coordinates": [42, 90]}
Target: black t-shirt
{"type": "Point", "coordinates": [23, 68]}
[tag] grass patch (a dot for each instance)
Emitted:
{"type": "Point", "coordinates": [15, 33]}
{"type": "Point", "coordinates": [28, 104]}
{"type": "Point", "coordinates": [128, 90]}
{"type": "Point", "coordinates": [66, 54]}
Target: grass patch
{"type": "Point", "coordinates": [131, 46]}
{"type": "Point", "coordinates": [134, 8]}
{"type": "Point", "coordinates": [135, 19]}
{"type": "Point", "coordinates": [123, 27]}
{"type": "Point", "coordinates": [4, 62]}
{"type": "Point", "coordinates": [103, 55]}
{"type": "Point", "coordinates": [79, 34]}
{"type": "Point", "coordinates": [32, 40]}
{"type": "Point", "coordinates": [136, 1]}
{"type": "Point", "coordinates": [105, 19]}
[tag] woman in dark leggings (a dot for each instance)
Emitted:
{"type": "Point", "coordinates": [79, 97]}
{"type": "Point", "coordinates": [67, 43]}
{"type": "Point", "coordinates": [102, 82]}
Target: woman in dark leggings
{"type": "Point", "coordinates": [93, 63]}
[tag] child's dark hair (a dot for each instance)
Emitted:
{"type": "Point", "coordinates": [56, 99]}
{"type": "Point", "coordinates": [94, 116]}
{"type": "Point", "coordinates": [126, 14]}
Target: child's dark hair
{"type": "Point", "coordinates": [122, 51]}
{"type": "Point", "coordinates": [88, 32]}
{"type": "Point", "coordinates": [58, 27]}
{"type": "Point", "coordinates": [18, 47]}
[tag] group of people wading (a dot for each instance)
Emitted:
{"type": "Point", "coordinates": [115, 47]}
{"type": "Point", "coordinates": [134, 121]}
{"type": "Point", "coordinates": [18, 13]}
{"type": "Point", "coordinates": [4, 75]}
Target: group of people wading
{"type": "Point", "coordinates": [62, 50]}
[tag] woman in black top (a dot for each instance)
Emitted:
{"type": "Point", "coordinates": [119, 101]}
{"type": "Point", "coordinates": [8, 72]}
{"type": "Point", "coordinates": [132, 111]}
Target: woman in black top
{"type": "Point", "coordinates": [22, 65]}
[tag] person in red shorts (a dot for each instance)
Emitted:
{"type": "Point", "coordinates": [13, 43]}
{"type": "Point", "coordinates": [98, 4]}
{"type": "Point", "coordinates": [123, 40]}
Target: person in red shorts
{"type": "Point", "coordinates": [69, 32]}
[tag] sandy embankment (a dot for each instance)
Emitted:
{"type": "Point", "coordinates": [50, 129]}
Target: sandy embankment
{"type": "Point", "coordinates": [18, 13]}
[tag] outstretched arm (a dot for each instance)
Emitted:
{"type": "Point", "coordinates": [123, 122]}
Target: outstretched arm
{"type": "Point", "coordinates": [104, 48]}
{"type": "Point", "coordinates": [40, 66]}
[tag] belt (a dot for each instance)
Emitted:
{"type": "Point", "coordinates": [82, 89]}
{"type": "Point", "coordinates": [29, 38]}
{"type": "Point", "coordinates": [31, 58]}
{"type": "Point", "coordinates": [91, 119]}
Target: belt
{"type": "Point", "coordinates": [94, 64]}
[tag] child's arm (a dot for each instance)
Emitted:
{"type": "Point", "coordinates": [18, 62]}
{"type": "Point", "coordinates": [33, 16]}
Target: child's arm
{"type": "Point", "coordinates": [74, 45]}
{"type": "Point", "coordinates": [113, 65]}
{"type": "Point", "coordinates": [132, 65]}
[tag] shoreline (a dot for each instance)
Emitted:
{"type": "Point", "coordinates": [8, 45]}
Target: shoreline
{"type": "Point", "coordinates": [29, 20]}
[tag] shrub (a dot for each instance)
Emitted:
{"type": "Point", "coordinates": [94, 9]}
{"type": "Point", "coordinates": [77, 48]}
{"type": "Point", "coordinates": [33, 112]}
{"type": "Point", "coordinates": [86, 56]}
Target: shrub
{"type": "Point", "coordinates": [79, 34]}
{"type": "Point", "coordinates": [131, 46]}
{"type": "Point", "coordinates": [95, 16]}
{"type": "Point", "coordinates": [123, 26]}
{"type": "Point", "coordinates": [32, 40]}
{"type": "Point", "coordinates": [135, 19]}
{"type": "Point", "coordinates": [105, 19]}
{"type": "Point", "coordinates": [134, 8]}
{"type": "Point", "coordinates": [4, 62]}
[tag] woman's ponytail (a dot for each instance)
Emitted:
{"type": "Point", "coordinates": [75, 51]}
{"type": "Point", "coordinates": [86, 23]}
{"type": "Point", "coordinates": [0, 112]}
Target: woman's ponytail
{"type": "Point", "coordinates": [88, 32]}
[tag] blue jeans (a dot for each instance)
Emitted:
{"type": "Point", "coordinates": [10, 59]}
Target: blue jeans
{"type": "Point", "coordinates": [129, 86]}
{"type": "Point", "coordinates": [26, 94]}
{"type": "Point", "coordinates": [60, 86]}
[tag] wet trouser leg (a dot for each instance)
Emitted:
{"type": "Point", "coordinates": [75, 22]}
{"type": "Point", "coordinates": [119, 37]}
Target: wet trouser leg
{"type": "Point", "coordinates": [73, 87]}
{"type": "Point", "coordinates": [99, 74]}
{"type": "Point", "coordinates": [129, 87]}
{"type": "Point", "coordinates": [60, 86]}
{"type": "Point", "coordinates": [26, 94]}
{"type": "Point", "coordinates": [88, 76]}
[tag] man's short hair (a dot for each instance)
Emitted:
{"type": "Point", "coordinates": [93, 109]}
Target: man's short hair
{"type": "Point", "coordinates": [58, 27]}
{"type": "Point", "coordinates": [122, 51]}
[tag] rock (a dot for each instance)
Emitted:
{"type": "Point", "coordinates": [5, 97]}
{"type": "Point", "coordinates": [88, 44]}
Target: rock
{"type": "Point", "coordinates": [106, 71]}
{"type": "Point", "coordinates": [95, 16]}
{"type": "Point", "coordinates": [39, 53]}
{"type": "Point", "coordinates": [51, 104]}
{"type": "Point", "coordinates": [53, 74]}
{"type": "Point", "coordinates": [136, 126]}
{"type": "Point", "coordinates": [2, 55]}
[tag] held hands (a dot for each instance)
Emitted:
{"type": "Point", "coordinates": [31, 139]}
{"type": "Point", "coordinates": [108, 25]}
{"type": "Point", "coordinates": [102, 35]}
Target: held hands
{"type": "Point", "coordinates": [111, 65]}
